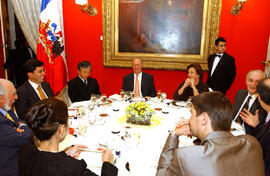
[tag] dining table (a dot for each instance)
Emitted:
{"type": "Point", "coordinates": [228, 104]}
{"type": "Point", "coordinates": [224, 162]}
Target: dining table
{"type": "Point", "coordinates": [101, 124]}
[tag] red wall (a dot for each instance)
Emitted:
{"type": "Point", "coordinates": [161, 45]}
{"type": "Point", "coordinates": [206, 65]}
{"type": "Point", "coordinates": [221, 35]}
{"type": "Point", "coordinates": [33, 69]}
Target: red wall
{"type": "Point", "coordinates": [247, 38]}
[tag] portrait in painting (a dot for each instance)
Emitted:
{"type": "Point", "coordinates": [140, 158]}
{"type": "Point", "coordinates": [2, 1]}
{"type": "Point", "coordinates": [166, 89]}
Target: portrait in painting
{"type": "Point", "coordinates": [160, 26]}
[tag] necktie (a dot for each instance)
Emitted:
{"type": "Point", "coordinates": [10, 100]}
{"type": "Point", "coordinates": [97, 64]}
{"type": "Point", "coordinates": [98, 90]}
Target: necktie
{"type": "Point", "coordinates": [137, 87]}
{"type": "Point", "coordinates": [85, 82]}
{"type": "Point", "coordinates": [246, 105]}
{"type": "Point", "coordinates": [41, 93]}
{"type": "Point", "coordinates": [218, 55]}
{"type": "Point", "coordinates": [9, 117]}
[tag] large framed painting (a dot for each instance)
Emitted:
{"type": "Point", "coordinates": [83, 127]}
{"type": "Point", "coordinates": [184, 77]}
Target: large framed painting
{"type": "Point", "coordinates": [166, 34]}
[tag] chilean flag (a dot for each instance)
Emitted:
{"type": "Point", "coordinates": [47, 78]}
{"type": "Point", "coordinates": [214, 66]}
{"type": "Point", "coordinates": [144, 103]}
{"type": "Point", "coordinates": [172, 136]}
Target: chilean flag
{"type": "Point", "coordinates": [50, 44]}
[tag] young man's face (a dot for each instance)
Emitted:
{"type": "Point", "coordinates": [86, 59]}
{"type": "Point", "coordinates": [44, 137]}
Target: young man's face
{"type": "Point", "coordinates": [221, 47]}
{"type": "Point", "coordinates": [194, 123]}
{"type": "Point", "coordinates": [38, 75]}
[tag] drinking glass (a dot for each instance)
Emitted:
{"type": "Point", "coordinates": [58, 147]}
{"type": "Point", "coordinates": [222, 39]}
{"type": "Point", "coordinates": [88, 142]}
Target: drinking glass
{"type": "Point", "coordinates": [93, 99]}
{"type": "Point", "coordinates": [122, 94]}
{"type": "Point", "coordinates": [131, 94]}
{"type": "Point", "coordinates": [128, 94]}
{"type": "Point", "coordinates": [163, 96]}
{"type": "Point", "coordinates": [103, 97]}
{"type": "Point", "coordinates": [158, 94]}
{"type": "Point", "coordinates": [189, 101]}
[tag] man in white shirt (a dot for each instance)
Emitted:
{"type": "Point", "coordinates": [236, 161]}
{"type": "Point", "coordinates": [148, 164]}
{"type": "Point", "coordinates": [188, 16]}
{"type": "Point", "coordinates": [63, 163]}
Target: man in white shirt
{"type": "Point", "coordinates": [221, 67]}
{"type": "Point", "coordinates": [141, 83]}
{"type": "Point", "coordinates": [33, 90]}
{"type": "Point", "coordinates": [261, 130]}
{"type": "Point", "coordinates": [247, 98]}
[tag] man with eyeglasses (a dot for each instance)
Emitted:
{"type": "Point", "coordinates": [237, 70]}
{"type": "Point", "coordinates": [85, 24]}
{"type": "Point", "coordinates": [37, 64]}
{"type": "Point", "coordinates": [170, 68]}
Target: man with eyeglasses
{"type": "Point", "coordinates": [33, 90]}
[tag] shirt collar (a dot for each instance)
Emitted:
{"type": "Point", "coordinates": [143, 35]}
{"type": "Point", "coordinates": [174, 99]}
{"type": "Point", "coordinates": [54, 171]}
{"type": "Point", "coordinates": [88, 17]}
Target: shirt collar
{"type": "Point", "coordinates": [139, 75]}
{"type": "Point", "coordinates": [221, 54]}
{"type": "Point", "coordinates": [82, 78]}
{"type": "Point", "coordinates": [3, 112]}
{"type": "Point", "coordinates": [254, 96]}
{"type": "Point", "coordinates": [34, 85]}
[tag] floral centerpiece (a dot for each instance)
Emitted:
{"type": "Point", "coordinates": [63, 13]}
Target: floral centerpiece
{"type": "Point", "coordinates": [139, 113]}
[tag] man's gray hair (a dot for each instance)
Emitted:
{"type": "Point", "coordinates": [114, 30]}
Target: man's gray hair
{"type": "Point", "coordinates": [3, 88]}
{"type": "Point", "coordinates": [252, 71]}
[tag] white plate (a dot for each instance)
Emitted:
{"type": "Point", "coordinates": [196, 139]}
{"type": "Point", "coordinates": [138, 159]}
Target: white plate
{"type": "Point", "coordinates": [180, 103]}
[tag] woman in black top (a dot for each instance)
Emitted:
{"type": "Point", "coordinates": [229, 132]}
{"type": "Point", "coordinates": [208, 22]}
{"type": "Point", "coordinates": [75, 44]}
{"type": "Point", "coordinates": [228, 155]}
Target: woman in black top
{"type": "Point", "coordinates": [193, 85]}
{"type": "Point", "coordinates": [48, 120]}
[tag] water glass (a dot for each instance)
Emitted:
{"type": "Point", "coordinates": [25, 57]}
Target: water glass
{"type": "Point", "coordinates": [122, 94]}
{"type": "Point", "coordinates": [103, 97]}
{"type": "Point", "coordinates": [189, 101]}
{"type": "Point", "coordinates": [163, 96]}
{"type": "Point", "coordinates": [158, 94]}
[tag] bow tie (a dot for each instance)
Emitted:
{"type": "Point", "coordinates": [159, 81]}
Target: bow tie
{"type": "Point", "coordinates": [218, 55]}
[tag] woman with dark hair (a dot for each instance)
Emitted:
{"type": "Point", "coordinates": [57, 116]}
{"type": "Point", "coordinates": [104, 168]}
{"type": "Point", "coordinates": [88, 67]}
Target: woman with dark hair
{"type": "Point", "coordinates": [48, 120]}
{"type": "Point", "coordinates": [193, 85]}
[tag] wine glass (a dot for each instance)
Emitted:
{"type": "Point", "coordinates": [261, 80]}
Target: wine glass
{"type": "Point", "coordinates": [163, 96]}
{"type": "Point", "coordinates": [122, 94]}
{"type": "Point", "coordinates": [189, 101]}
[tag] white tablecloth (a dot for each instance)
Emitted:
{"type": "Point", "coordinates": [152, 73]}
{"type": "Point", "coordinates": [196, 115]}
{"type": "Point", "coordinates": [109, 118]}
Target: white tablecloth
{"type": "Point", "coordinates": [140, 146]}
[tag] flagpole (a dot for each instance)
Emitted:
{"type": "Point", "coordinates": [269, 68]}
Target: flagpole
{"type": "Point", "coordinates": [60, 8]}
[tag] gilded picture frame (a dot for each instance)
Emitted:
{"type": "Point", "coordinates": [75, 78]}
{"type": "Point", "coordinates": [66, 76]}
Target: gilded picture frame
{"type": "Point", "coordinates": [113, 57]}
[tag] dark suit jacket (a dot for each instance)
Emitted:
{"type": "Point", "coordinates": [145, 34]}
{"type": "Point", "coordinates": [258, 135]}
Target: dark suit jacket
{"type": "Point", "coordinates": [27, 96]}
{"type": "Point", "coordinates": [147, 87]}
{"type": "Point", "coordinates": [262, 133]}
{"type": "Point", "coordinates": [238, 101]}
{"type": "Point", "coordinates": [78, 91]}
{"type": "Point", "coordinates": [201, 86]}
{"type": "Point", "coordinates": [10, 141]}
{"type": "Point", "coordinates": [220, 154]}
{"type": "Point", "coordinates": [223, 75]}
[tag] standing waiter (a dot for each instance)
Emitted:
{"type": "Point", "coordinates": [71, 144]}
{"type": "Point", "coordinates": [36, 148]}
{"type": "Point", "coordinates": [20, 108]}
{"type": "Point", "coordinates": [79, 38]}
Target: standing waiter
{"type": "Point", "coordinates": [221, 67]}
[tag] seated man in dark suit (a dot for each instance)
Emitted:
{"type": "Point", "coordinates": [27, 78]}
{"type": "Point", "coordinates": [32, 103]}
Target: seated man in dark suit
{"type": "Point", "coordinates": [33, 90]}
{"type": "Point", "coordinates": [81, 87]}
{"type": "Point", "coordinates": [261, 130]}
{"type": "Point", "coordinates": [220, 153]}
{"type": "Point", "coordinates": [141, 83]}
{"type": "Point", "coordinates": [13, 133]}
{"type": "Point", "coordinates": [221, 68]}
{"type": "Point", "coordinates": [247, 98]}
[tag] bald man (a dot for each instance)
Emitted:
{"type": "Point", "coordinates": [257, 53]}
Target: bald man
{"type": "Point", "coordinates": [261, 129]}
{"type": "Point", "coordinates": [14, 132]}
{"type": "Point", "coordinates": [247, 98]}
{"type": "Point", "coordinates": [141, 83]}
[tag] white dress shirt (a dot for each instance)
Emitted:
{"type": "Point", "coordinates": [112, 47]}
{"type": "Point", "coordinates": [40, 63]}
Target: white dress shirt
{"type": "Point", "coordinates": [140, 81]}
{"type": "Point", "coordinates": [83, 80]}
{"type": "Point", "coordinates": [251, 101]}
{"type": "Point", "coordinates": [35, 86]}
{"type": "Point", "coordinates": [267, 118]}
{"type": "Point", "coordinates": [215, 63]}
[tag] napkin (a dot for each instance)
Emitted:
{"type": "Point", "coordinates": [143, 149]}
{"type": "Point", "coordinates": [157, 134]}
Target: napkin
{"type": "Point", "coordinates": [115, 97]}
